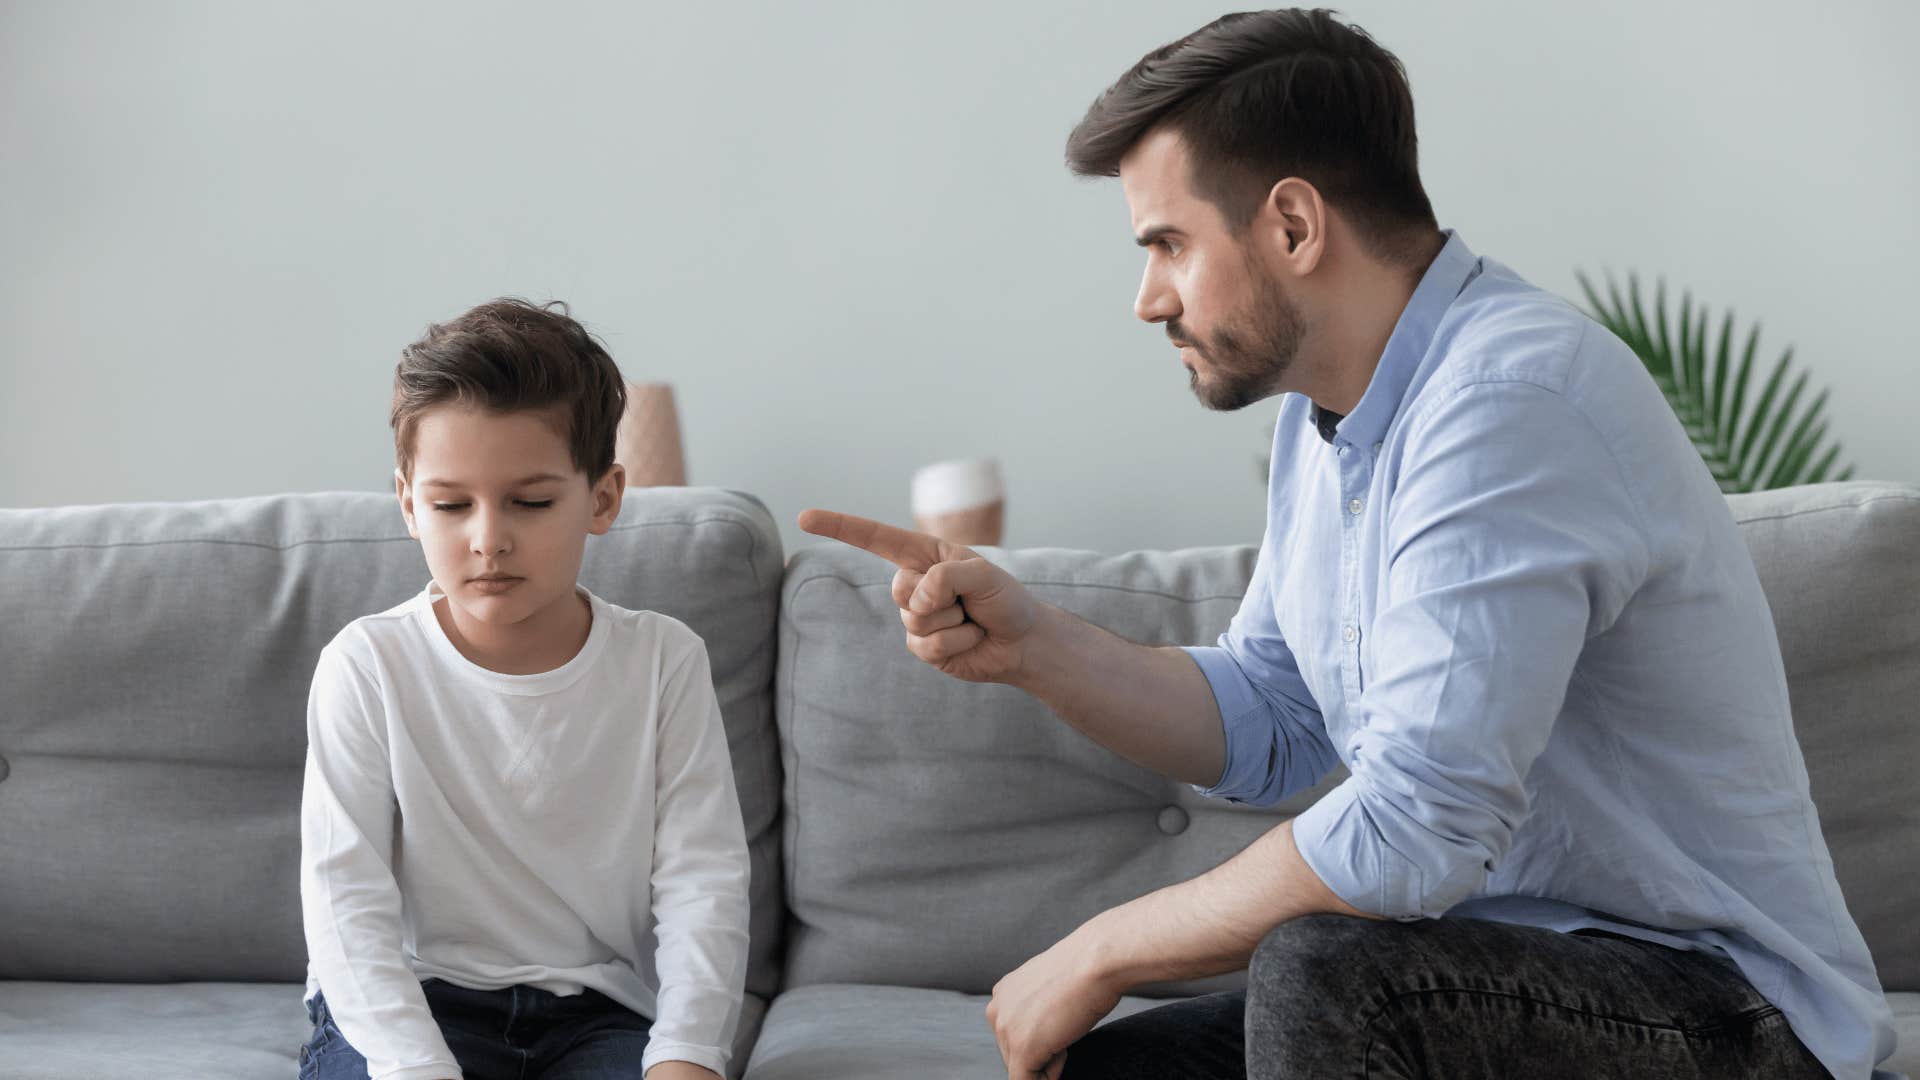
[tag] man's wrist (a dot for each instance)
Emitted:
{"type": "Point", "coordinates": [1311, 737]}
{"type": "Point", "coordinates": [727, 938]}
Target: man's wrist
{"type": "Point", "coordinates": [1106, 958]}
{"type": "Point", "coordinates": [1040, 651]}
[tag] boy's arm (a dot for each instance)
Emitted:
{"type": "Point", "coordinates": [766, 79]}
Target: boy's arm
{"type": "Point", "coordinates": [700, 875]}
{"type": "Point", "coordinates": [349, 900]}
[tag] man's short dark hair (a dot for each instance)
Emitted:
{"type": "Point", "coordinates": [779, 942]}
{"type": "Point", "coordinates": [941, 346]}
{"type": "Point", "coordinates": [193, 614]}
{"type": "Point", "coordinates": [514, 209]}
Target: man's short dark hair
{"type": "Point", "coordinates": [1260, 96]}
{"type": "Point", "coordinates": [505, 356]}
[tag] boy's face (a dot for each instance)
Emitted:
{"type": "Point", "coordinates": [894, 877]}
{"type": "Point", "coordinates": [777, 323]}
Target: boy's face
{"type": "Point", "coordinates": [501, 511]}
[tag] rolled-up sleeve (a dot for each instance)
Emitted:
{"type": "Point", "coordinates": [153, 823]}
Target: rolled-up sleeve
{"type": "Point", "coordinates": [1276, 739]}
{"type": "Point", "coordinates": [1512, 538]}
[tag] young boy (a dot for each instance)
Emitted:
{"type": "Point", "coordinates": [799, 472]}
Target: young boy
{"type": "Point", "coordinates": [521, 851]}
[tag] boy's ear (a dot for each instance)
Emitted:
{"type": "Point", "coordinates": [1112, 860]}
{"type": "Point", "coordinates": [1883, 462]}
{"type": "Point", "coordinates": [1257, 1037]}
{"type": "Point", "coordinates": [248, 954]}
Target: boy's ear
{"type": "Point", "coordinates": [405, 494]}
{"type": "Point", "coordinates": [607, 493]}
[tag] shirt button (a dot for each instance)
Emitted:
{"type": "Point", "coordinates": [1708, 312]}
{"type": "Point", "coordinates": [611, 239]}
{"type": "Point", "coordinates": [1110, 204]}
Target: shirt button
{"type": "Point", "coordinates": [1342, 451]}
{"type": "Point", "coordinates": [1349, 633]}
{"type": "Point", "coordinates": [1377, 446]}
{"type": "Point", "coordinates": [1356, 506]}
{"type": "Point", "coordinates": [1172, 821]}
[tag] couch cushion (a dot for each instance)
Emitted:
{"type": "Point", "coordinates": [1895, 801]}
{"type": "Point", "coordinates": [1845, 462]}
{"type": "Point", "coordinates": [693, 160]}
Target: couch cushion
{"type": "Point", "coordinates": [182, 1031]}
{"type": "Point", "coordinates": [179, 1031]}
{"type": "Point", "coordinates": [155, 661]}
{"type": "Point", "coordinates": [1906, 1026]}
{"type": "Point", "coordinates": [939, 833]}
{"type": "Point", "coordinates": [1841, 567]}
{"type": "Point", "coordinates": [850, 1032]}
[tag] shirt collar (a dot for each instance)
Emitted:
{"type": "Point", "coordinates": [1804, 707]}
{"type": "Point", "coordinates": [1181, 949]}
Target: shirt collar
{"type": "Point", "coordinates": [1451, 271]}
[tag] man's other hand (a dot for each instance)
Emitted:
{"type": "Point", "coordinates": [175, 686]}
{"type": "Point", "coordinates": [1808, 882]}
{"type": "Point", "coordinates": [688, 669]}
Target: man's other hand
{"type": "Point", "coordinates": [1046, 1004]}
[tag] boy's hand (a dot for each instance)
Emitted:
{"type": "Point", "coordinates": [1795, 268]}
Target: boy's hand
{"type": "Point", "coordinates": [681, 1070]}
{"type": "Point", "coordinates": [963, 615]}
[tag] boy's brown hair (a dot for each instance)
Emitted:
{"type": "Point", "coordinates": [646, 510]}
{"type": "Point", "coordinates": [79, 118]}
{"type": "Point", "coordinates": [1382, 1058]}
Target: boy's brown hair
{"type": "Point", "coordinates": [505, 356]}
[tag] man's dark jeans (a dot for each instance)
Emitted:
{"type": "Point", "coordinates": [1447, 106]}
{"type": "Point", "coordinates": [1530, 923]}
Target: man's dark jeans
{"type": "Point", "coordinates": [519, 1033]}
{"type": "Point", "coordinates": [1330, 997]}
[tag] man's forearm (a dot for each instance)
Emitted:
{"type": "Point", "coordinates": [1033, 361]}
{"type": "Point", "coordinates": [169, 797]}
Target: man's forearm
{"type": "Point", "coordinates": [1152, 706]}
{"type": "Point", "coordinates": [1210, 924]}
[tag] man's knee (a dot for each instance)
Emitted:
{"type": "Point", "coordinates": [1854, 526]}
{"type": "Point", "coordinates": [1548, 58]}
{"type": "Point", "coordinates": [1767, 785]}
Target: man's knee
{"type": "Point", "coordinates": [1308, 957]}
{"type": "Point", "coordinates": [1310, 986]}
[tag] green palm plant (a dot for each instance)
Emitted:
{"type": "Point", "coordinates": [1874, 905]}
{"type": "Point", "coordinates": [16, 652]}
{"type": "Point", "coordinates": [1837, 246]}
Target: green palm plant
{"type": "Point", "coordinates": [1775, 443]}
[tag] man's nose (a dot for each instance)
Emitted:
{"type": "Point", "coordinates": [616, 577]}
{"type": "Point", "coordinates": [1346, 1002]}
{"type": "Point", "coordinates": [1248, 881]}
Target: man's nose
{"type": "Point", "coordinates": [1157, 301]}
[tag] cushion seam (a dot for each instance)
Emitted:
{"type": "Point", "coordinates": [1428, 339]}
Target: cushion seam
{"type": "Point", "coordinates": [1828, 509]}
{"type": "Point", "coordinates": [752, 537]}
{"type": "Point", "coordinates": [852, 584]}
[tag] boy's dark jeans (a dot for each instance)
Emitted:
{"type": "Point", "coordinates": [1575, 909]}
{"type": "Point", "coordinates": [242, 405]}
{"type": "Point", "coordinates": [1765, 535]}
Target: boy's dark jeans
{"type": "Point", "coordinates": [519, 1033]}
{"type": "Point", "coordinates": [1330, 997]}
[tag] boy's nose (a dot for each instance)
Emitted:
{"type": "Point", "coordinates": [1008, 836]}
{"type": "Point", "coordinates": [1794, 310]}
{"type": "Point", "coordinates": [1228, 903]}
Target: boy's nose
{"type": "Point", "coordinates": [490, 537]}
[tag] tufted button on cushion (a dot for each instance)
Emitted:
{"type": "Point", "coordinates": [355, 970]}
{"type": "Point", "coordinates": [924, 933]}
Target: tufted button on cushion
{"type": "Point", "coordinates": [1173, 821]}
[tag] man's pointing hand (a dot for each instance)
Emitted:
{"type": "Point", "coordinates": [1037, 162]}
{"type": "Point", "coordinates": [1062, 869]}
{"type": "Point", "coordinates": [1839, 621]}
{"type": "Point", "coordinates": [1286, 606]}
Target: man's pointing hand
{"type": "Point", "coordinates": [962, 614]}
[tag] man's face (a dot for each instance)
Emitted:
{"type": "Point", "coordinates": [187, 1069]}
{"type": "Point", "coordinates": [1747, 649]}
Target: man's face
{"type": "Point", "coordinates": [1236, 328]}
{"type": "Point", "coordinates": [500, 510]}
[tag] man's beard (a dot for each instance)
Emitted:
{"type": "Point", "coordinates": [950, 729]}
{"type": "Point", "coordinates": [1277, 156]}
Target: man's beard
{"type": "Point", "coordinates": [1248, 352]}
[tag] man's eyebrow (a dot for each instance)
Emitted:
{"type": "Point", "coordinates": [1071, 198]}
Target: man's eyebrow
{"type": "Point", "coordinates": [523, 482]}
{"type": "Point", "coordinates": [1153, 235]}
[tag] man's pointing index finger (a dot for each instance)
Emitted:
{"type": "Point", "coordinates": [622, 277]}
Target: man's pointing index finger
{"type": "Point", "coordinates": [907, 550]}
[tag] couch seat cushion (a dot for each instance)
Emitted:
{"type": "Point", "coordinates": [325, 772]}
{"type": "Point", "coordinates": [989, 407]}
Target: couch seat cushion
{"type": "Point", "coordinates": [163, 1031]}
{"type": "Point", "coordinates": [179, 1031]}
{"type": "Point", "coordinates": [860, 1032]}
{"type": "Point", "coordinates": [854, 1031]}
{"type": "Point", "coordinates": [1906, 1021]}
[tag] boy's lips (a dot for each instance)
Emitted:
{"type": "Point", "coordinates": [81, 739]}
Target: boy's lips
{"type": "Point", "coordinates": [494, 583]}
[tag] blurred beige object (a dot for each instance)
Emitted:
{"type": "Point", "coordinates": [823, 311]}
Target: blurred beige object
{"type": "Point", "coordinates": [648, 442]}
{"type": "Point", "coordinates": [961, 502]}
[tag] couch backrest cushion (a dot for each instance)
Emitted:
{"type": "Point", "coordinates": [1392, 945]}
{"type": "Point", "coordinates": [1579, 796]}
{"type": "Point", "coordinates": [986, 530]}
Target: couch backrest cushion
{"type": "Point", "coordinates": [940, 833]}
{"type": "Point", "coordinates": [1841, 567]}
{"type": "Point", "coordinates": [154, 666]}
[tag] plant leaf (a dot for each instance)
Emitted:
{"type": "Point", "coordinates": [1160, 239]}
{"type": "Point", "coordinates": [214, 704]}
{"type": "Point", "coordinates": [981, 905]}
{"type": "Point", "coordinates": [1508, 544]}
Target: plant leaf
{"type": "Point", "coordinates": [1774, 443]}
{"type": "Point", "coordinates": [1758, 418]}
{"type": "Point", "coordinates": [1740, 383]}
{"type": "Point", "coordinates": [1771, 446]}
{"type": "Point", "coordinates": [1721, 366]}
{"type": "Point", "coordinates": [1818, 473]}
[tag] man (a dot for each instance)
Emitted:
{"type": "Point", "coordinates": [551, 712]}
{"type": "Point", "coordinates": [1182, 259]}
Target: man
{"type": "Point", "coordinates": [1497, 584]}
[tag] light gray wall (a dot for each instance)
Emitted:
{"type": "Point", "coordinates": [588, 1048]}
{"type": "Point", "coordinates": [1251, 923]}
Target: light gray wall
{"type": "Point", "coordinates": [843, 230]}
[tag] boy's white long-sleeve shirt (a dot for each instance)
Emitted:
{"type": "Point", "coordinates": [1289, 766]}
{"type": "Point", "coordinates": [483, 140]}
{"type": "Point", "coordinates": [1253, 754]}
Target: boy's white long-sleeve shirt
{"type": "Point", "coordinates": [568, 830]}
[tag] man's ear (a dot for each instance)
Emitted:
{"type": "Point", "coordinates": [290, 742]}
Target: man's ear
{"type": "Point", "coordinates": [1294, 220]}
{"type": "Point", "coordinates": [607, 493]}
{"type": "Point", "coordinates": [404, 493]}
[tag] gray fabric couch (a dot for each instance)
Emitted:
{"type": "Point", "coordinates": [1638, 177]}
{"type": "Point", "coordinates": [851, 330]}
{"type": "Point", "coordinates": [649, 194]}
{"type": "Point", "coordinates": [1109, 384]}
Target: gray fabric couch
{"type": "Point", "coordinates": [913, 837]}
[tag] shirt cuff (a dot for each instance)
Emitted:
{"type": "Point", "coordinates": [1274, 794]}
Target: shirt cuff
{"type": "Point", "coordinates": [1341, 846]}
{"type": "Point", "coordinates": [707, 1057]}
{"type": "Point", "coordinates": [1248, 764]}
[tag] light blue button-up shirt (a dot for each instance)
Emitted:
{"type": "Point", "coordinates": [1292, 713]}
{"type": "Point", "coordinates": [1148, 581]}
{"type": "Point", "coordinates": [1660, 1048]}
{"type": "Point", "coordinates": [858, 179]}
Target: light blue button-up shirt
{"type": "Point", "coordinates": [1509, 597]}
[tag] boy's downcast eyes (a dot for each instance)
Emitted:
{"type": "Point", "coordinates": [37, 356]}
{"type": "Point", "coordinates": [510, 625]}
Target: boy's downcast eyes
{"type": "Point", "coordinates": [531, 504]}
